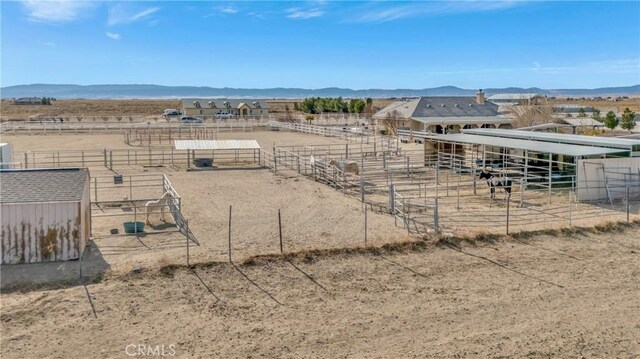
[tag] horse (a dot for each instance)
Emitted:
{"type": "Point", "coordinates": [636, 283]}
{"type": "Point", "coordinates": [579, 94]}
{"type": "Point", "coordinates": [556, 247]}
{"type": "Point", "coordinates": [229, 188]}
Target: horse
{"type": "Point", "coordinates": [158, 204]}
{"type": "Point", "coordinates": [346, 166]}
{"type": "Point", "coordinates": [494, 182]}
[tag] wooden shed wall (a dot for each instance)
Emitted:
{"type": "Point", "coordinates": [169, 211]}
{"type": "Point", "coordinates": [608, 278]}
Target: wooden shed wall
{"type": "Point", "coordinates": [42, 232]}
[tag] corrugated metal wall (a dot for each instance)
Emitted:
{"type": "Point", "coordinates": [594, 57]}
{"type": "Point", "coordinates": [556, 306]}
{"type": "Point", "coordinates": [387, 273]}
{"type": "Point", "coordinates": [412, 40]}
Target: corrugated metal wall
{"type": "Point", "coordinates": [41, 232]}
{"type": "Point", "coordinates": [591, 180]}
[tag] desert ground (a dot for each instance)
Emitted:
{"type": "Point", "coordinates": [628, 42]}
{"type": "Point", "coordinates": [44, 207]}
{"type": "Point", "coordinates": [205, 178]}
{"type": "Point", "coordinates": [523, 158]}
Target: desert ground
{"type": "Point", "coordinates": [557, 293]}
{"type": "Point", "coordinates": [120, 108]}
{"type": "Point", "coordinates": [69, 108]}
{"type": "Point", "coordinates": [572, 295]}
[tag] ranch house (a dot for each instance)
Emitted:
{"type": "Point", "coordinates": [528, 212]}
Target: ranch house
{"type": "Point", "coordinates": [443, 114]}
{"type": "Point", "coordinates": [223, 108]}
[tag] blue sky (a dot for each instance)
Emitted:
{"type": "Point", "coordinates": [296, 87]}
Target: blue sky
{"type": "Point", "coordinates": [315, 44]}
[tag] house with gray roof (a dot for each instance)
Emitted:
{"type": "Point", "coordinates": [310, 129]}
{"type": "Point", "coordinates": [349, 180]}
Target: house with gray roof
{"type": "Point", "coordinates": [443, 114]}
{"type": "Point", "coordinates": [222, 107]}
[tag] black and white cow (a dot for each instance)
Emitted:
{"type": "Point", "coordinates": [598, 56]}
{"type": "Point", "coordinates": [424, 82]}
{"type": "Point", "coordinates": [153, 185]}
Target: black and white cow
{"type": "Point", "coordinates": [493, 182]}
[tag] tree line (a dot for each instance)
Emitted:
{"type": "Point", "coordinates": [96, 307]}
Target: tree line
{"type": "Point", "coordinates": [317, 105]}
{"type": "Point", "coordinates": [626, 122]}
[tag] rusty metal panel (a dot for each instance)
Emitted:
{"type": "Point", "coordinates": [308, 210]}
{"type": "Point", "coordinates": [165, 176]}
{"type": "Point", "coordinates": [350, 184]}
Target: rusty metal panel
{"type": "Point", "coordinates": [40, 232]}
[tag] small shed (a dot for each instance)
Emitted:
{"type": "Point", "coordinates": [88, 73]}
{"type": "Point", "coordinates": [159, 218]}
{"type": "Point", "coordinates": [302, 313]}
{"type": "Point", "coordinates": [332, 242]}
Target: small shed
{"type": "Point", "coordinates": [45, 214]}
{"type": "Point", "coordinates": [236, 152]}
{"type": "Point", "coordinates": [6, 156]}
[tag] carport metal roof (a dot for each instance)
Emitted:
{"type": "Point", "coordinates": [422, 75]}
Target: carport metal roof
{"type": "Point", "coordinates": [530, 145]}
{"type": "Point", "coordinates": [216, 145]}
{"type": "Point", "coordinates": [612, 142]}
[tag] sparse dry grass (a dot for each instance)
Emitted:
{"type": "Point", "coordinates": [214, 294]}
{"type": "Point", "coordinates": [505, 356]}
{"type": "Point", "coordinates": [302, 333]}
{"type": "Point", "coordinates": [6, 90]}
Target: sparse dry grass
{"type": "Point", "coordinates": [65, 108]}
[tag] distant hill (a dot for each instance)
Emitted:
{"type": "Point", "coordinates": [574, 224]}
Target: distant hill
{"type": "Point", "coordinates": [157, 91]}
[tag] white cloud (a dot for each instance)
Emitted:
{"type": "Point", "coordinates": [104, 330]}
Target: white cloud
{"type": "Point", "coordinates": [229, 10]}
{"type": "Point", "coordinates": [618, 66]}
{"type": "Point", "coordinates": [113, 35]}
{"type": "Point", "coordinates": [120, 15]}
{"type": "Point", "coordinates": [434, 8]}
{"type": "Point", "coordinates": [257, 15]}
{"type": "Point", "coordinates": [55, 11]}
{"type": "Point", "coordinates": [297, 13]}
{"type": "Point", "coordinates": [49, 44]}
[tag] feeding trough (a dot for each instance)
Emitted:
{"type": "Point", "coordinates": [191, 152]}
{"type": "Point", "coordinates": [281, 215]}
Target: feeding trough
{"type": "Point", "coordinates": [133, 227]}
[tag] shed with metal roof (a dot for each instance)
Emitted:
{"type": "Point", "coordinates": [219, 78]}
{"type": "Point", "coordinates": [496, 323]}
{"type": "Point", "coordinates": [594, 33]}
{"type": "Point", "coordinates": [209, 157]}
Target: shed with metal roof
{"type": "Point", "coordinates": [632, 146]}
{"type": "Point", "coordinates": [211, 153]}
{"type": "Point", "coordinates": [46, 214]}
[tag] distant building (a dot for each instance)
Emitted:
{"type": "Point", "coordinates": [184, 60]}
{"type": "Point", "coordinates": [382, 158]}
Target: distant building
{"type": "Point", "coordinates": [443, 114]}
{"type": "Point", "coordinates": [516, 99]}
{"type": "Point", "coordinates": [29, 101]}
{"type": "Point", "coordinates": [223, 107]}
{"type": "Point", "coordinates": [505, 99]}
{"type": "Point", "coordinates": [573, 109]}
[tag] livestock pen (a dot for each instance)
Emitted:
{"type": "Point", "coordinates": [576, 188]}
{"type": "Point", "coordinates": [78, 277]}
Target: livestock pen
{"type": "Point", "coordinates": [429, 192]}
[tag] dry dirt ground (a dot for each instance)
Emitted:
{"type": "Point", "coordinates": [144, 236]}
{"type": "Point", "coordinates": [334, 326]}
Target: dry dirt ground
{"type": "Point", "coordinates": [545, 296]}
{"type": "Point", "coordinates": [132, 107]}
{"type": "Point", "coordinates": [67, 108]}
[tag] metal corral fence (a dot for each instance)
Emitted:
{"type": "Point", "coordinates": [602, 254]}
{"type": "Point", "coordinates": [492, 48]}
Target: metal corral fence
{"type": "Point", "coordinates": [134, 197]}
{"type": "Point", "coordinates": [425, 197]}
{"type": "Point", "coordinates": [47, 128]}
{"type": "Point", "coordinates": [146, 137]}
{"type": "Point", "coordinates": [351, 134]}
{"type": "Point", "coordinates": [120, 158]}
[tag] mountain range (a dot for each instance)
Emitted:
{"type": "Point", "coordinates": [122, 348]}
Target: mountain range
{"type": "Point", "coordinates": [159, 91]}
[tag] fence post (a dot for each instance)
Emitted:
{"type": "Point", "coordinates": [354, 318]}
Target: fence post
{"type": "Point", "coordinates": [95, 188]}
{"type": "Point", "coordinates": [523, 188]}
{"type": "Point", "coordinates": [26, 160]}
{"type": "Point", "coordinates": [570, 208]}
{"type": "Point", "coordinates": [458, 191]}
{"type": "Point", "coordinates": [230, 261]}
{"type": "Point", "coordinates": [362, 181]}
{"type": "Point", "coordinates": [275, 161]}
{"type": "Point", "coordinates": [186, 223]}
{"type": "Point", "coordinates": [627, 199]}
{"type": "Point", "coordinates": [111, 160]}
{"type": "Point", "coordinates": [405, 212]}
{"type": "Point", "coordinates": [508, 202]}
{"type": "Point", "coordinates": [447, 182]}
{"type": "Point", "coordinates": [392, 203]}
{"type": "Point", "coordinates": [104, 154]}
{"type": "Point", "coordinates": [280, 231]}
{"type": "Point", "coordinates": [474, 180]}
{"type": "Point", "coordinates": [366, 227]}
{"type": "Point", "coordinates": [436, 217]}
